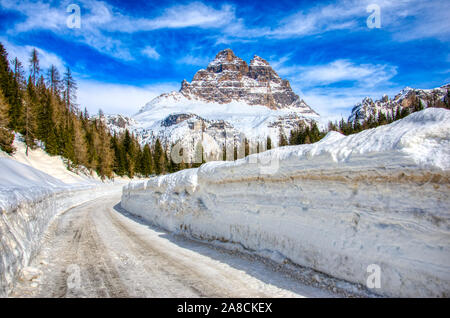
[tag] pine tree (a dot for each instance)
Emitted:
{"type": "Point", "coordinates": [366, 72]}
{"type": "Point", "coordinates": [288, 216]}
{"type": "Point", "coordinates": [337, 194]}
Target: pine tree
{"type": "Point", "coordinates": [129, 151]}
{"type": "Point", "coordinates": [43, 111]}
{"type": "Point", "coordinates": [5, 74]}
{"type": "Point", "coordinates": [54, 80]}
{"type": "Point", "coordinates": [159, 158]}
{"type": "Point", "coordinates": [70, 87]}
{"type": "Point", "coordinates": [30, 117]}
{"type": "Point", "coordinates": [6, 136]}
{"type": "Point", "coordinates": [92, 141]}
{"type": "Point", "coordinates": [8, 87]}
{"type": "Point", "coordinates": [119, 156]}
{"type": "Point", "coordinates": [68, 149]}
{"type": "Point", "coordinates": [34, 66]}
{"type": "Point", "coordinates": [147, 161]}
{"type": "Point", "coordinates": [79, 144]}
{"type": "Point", "coordinates": [106, 159]}
{"type": "Point", "coordinates": [16, 101]}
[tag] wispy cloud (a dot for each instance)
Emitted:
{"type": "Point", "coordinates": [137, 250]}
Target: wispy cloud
{"type": "Point", "coordinates": [150, 52]}
{"type": "Point", "coordinates": [319, 19]}
{"type": "Point", "coordinates": [118, 98]}
{"type": "Point", "coordinates": [194, 14]}
{"type": "Point", "coordinates": [101, 23]}
{"type": "Point", "coordinates": [338, 71]}
{"type": "Point", "coordinates": [194, 60]}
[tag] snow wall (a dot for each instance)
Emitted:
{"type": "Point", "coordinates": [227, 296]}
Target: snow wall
{"type": "Point", "coordinates": [29, 200]}
{"type": "Point", "coordinates": [378, 197]}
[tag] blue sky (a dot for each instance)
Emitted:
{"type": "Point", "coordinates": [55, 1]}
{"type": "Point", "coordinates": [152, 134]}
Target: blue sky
{"type": "Point", "coordinates": [127, 52]}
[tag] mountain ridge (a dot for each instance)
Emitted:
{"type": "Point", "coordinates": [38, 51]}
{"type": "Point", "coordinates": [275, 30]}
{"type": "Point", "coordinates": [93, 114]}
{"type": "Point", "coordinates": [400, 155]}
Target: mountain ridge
{"type": "Point", "coordinates": [407, 98]}
{"type": "Point", "coordinates": [229, 78]}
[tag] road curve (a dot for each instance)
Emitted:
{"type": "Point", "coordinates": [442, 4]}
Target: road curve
{"type": "Point", "coordinates": [99, 250]}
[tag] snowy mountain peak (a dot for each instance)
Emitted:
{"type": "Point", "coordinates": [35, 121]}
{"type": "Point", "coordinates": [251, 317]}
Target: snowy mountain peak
{"type": "Point", "coordinates": [225, 60]}
{"type": "Point", "coordinates": [258, 61]}
{"type": "Point", "coordinates": [229, 78]}
{"type": "Point", "coordinates": [228, 99]}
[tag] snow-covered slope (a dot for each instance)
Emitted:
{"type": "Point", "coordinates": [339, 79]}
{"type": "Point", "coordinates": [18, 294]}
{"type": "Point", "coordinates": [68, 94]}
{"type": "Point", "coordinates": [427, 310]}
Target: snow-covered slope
{"type": "Point", "coordinates": [407, 98]}
{"type": "Point", "coordinates": [378, 197]}
{"type": "Point", "coordinates": [53, 165]}
{"type": "Point", "coordinates": [230, 98]}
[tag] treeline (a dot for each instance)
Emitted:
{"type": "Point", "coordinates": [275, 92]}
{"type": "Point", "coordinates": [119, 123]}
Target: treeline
{"type": "Point", "coordinates": [306, 134]}
{"type": "Point", "coordinates": [41, 106]}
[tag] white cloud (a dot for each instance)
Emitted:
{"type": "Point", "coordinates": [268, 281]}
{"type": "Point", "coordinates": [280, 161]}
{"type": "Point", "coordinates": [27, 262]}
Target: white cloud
{"type": "Point", "coordinates": [420, 20]}
{"type": "Point", "coordinates": [340, 70]}
{"type": "Point", "coordinates": [150, 52]}
{"type": "Point", "coordinates": [118, 98]}
{"type": "Point", "coordinates": [46, 59]}
{"type": "Point", "coordinates": [100, 22]}
{"type": "Point", "coordinates": [194, 14]}
{"type": "Point", "coordinates": [405, 20]}
{"type": "Point", "coordinates": [194, 60]}
{"type": "Point", "coordinates": [38, 15]}
{"type": "Point", "coordinates": [345, 70]}
{"type": "Point", "coordinates": [319, 19]}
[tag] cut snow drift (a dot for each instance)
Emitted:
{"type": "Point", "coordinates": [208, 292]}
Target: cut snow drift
{"type": "Point", "coordinates": [30, 199]}
{"type": "Point", "coordinates": [337, 206]}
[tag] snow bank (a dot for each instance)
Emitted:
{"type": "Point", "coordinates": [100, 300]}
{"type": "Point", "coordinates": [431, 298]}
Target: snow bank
{"type": "Point", "coordinates": [29, 199]}
{"type": "Point", "coordinates": [337, 206]}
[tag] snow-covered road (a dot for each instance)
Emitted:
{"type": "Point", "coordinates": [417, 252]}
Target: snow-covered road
{"type": "Point", "coordinates": [99, 250]}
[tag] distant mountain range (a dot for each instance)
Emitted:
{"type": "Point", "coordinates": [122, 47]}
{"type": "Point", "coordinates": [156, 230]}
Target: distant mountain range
{"type": "Point", "coordinates": [231, 100]}
{"type": "Point", "coordinates": [407, 98]}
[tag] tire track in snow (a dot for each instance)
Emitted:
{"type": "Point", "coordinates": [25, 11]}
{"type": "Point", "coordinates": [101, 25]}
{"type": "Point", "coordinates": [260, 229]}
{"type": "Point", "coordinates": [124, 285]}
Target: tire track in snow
{"type": "Point", "coordinates": [118, 256]}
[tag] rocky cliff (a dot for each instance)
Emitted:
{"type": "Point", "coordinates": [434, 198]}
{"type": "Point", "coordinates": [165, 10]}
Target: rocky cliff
{"type": "Point", "coordinates": [229, 78]}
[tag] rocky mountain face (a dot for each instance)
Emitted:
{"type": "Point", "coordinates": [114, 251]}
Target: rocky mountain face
{"type": "Point", "coordinates": [228, 102]}
{"type": "Point", "coordinates": [407, 98]}
{"type": "Point", "coordinates": [229, 78]}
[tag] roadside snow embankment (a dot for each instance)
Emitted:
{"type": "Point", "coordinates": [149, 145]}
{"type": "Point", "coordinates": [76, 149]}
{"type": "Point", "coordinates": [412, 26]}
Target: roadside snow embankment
{"type": "Point", "coordinates": [29, 200]}
{"type": "Point", "coordinates": [337, 206]}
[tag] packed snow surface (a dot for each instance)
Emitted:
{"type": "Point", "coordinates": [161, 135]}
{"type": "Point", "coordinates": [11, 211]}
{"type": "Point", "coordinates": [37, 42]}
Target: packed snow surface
{"type": "Point", "coordinates": [337, 206]}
